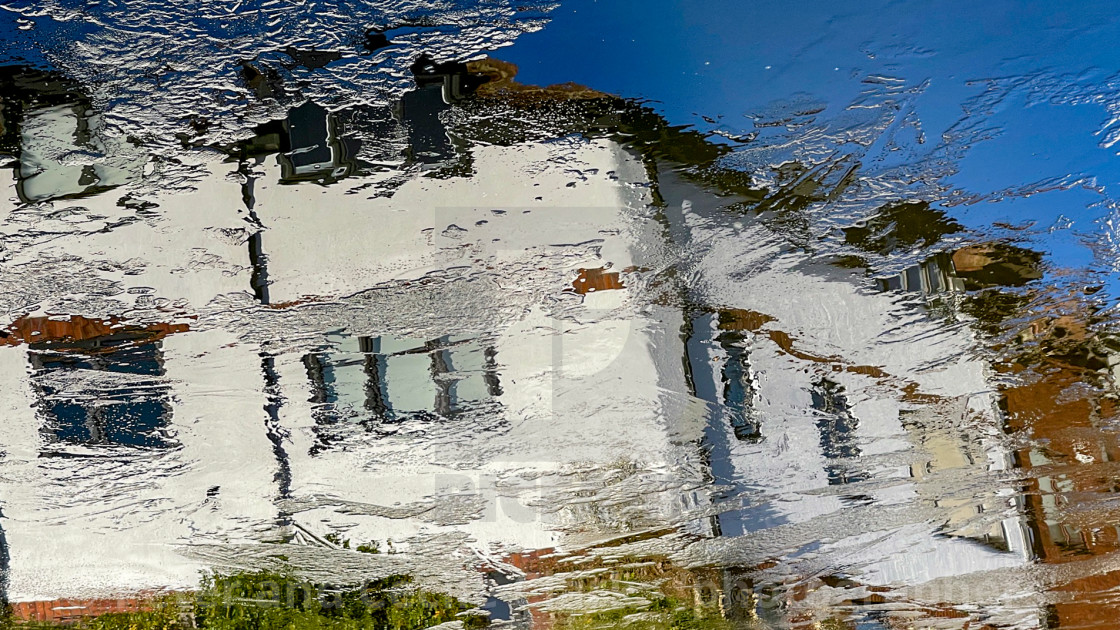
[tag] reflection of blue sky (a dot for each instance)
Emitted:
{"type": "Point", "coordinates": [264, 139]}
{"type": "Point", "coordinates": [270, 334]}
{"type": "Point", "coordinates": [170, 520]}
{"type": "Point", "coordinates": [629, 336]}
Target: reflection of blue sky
{"type": "Point", "coordinates": [1037, 144]}
{"type": "Point", "coordinates": [726, 60]}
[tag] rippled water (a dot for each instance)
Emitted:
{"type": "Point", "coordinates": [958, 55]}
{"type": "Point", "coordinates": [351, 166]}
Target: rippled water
{"type": "Point", "coordinates": [805, 314]}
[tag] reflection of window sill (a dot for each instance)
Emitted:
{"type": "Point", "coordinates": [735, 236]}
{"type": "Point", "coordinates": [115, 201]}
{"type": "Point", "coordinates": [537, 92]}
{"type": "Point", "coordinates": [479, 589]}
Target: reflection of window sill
{"type": "Point", "coordinates": [114, 452]}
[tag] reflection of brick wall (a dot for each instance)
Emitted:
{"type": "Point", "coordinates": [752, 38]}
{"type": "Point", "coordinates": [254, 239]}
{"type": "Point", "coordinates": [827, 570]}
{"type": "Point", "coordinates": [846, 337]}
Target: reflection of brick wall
{"type": "Point", "coordinates": [1086, 608]}
{"type": "Point", "coordinates": [1067, 471]}
{"type": "Point", "coordinates": [1063, 418]}
{"type": "Point", "coordinates": [535, 564]}
{"type": "Point", "coordinates": [68, 610]}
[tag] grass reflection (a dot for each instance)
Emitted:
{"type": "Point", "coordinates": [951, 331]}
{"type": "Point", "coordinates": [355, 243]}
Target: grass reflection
{"type": "Point", "coordinates": [266, 600]}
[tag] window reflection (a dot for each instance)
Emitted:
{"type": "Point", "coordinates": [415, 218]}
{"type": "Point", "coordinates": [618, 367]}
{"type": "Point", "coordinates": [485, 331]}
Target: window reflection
{"type": "Point", "coordinates": [374, 381]}
{"type": "Point", "coordinates": [81, 404]}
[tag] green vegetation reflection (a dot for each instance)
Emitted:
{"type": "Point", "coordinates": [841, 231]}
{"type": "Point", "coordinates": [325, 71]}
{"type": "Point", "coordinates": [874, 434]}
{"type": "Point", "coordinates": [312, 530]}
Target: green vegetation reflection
{"type": "Point", "coordinates": [267, 600]}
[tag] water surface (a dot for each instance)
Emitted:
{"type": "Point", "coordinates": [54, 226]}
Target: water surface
{"type": "Point", "coordinates": [797, 314]}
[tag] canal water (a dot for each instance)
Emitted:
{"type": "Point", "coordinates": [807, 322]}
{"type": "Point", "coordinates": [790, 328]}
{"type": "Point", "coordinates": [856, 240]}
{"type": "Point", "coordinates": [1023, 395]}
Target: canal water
{"type": "Point", "coordinates": [792, 316]}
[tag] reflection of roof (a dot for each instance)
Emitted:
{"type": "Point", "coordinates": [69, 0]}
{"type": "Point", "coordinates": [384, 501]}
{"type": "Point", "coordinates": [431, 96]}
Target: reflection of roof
{"type": "Point", "coordinates": [500, 83]}
{"type": "Point", "coordinates": [997, 264]}
{"type": "Point", "coordinates": [76, 329]}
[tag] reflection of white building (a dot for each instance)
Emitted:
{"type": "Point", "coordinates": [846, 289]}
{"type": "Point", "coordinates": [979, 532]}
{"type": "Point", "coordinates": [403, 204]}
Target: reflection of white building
{"type": "Point", "coordinates": [502, 409]}
{"type": "Point", "coordinates": [472, 386]}
{"type": "Point", "coordinates": [842, 407]}
{"type": "Point", "coordinates": [931, 277]}
{"type": "Point", "coordinates": [463, 425]}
